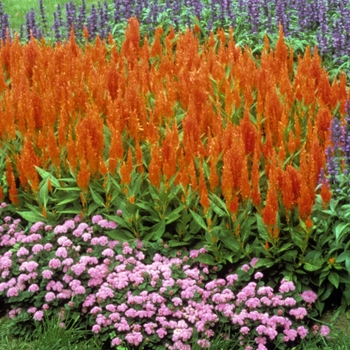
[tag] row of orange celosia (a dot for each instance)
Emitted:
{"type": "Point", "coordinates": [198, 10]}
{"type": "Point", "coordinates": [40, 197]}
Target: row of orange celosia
{"type": "Point", "coordinates": [239, 113]}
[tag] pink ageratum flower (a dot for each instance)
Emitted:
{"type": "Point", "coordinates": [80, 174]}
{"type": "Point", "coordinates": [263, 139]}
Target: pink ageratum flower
{"type": "Point", "coordinates": [50, 296]}
{"type": "Point", "coordinates": [116, 341]}
{"type": "Point", "coordinates": [324, 331]}
{"type": "Point", "coordinates": [48, 247]}
{"type": "Point", "coordinates": [244, 330]}
{"type": "Point", "coordinates": [96, 219]}
{"type": "Point", "coordinates": [289, 301]}
{"type": "Point", "coordinates": [286, 286]}
{"type": "Point", "coordinates": [37, 248]}
{"type": "Point", "coordinates": [61, 252]}
{"type": "Point", "coordinates": [258, 275]}
{"type": "Point", "coordinates": [108, 252]}
{"type": "Point", "coordinates": [54, 263]}
{"type": "Point", "coordinates": [38, 315]}
{"type": "Point", "coordinates": [299, 313]}
{"type": "Point", "coordinates": [96, 328]}
{"type": "Point", "coordinates": [245, 268]}
{"type": "Point", "coordinates": [309, 296]}
{"type": "Point", "coordinates": [290, 335]}
{"type": "Point", "coordinates": [33, 288]}
{"type": "Point", "coordinates": [253, 262]}
{"type": "Point", "coordinates": [302, 331]}
{"type": "Point", "coordinates": [47, 274]}
{"type": "Point", "coordinates": [22, 251]}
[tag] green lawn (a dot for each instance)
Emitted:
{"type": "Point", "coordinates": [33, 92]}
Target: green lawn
{"type": "Point", "coordinates": [18, 9]}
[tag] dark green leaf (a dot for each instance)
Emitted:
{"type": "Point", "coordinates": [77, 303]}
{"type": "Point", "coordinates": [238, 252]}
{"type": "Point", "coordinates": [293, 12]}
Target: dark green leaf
{"type": "Point", "coordinates": [206, 259]}
{"type": "Point", "coordinates": [334, 279]}
{"type": "Point", "coordinates": [263, 262]}
{"type": "Point", "coordinates": [44, 193]}
{"type": "Point", "coordinates": [156, 232]}
{"type": "Point", "coordinates": [313, 265]}
{"type": "Point", "coordinates": [199, 220]}
{"type": "Point", "coordinates": [96, 197]}
{"type": "Point", "coordinates": [262, 228]}
{"type": "Point", "coordinates": [30, 216]}
{"type": "Point", "coordinates": [230, 243]}
{"type": "Point", "coordinates": [120, 235]}
{"type": "Point", "coordinates": [173, 216]}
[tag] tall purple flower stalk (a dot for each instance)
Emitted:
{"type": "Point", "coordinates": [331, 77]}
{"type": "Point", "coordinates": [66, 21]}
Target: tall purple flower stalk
{"type": "Point", "coordinates": [57, 27]}
{"type": "Point", "coordinates": [32, 26]}
{"type": "Point", "coordinates": [43, 16]}
{"type": "Point", "coordinates": [340, 137]}
{"type": "Point", "coordinates": [92, 23]}
{"type": "Point", "coordinates": [71, 14]}
{"type": "Point", "coordinates": [254, 15]}
{"type": "Point", "coordinates": [281, 7]}
{"type": "Point", "coordinates": [323, 29]}
{"type": "Point", "coordinates": [5, 25]}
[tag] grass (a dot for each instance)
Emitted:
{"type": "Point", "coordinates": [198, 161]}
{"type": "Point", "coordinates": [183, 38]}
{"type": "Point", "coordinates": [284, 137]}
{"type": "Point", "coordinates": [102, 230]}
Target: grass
{"type": "Point", "coordinates": [49, 335]}
{"type": "Point", "coordinates": [18, 9]}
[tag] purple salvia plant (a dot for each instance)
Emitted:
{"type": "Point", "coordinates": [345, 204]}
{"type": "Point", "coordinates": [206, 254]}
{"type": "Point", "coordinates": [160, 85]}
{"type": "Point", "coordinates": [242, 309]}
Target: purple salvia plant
{"type": "Point", "coordinates": [92, 23]}
{"type": "Point", "coordinates": [253, 7]}
{"type": "Point", "coordinates": [281, 16]}
{"type": "Point", "coordinates": [118, 8]}
{"type": "Point", "coordinates": [81, 21]}
{"type": "Point", "coordinates": [231, 15]}
{"type": "Point", "coordinates": [266, 9]}
{"type": "Point", "coordinates": [104, 19]}
{"type": "Point", "coordinates": [31, 25]}
{"type": "Point", "coordinates": [198, 8]}
{"type": "Point", "coordinates": [338, 37]}
{"type": "Point", "coordinates": [128, 8]}
{"type": "Point", "coordinates": [322, 34]}
{"type": "Point", "coordinates": [57, 27]}
{"type": "Point", "coordinates": [5, 26]}
{"type": "Point", "coordinates": [59, 15]}
{"type": "Point", "coordinates": [71, 15]}
{"type": "Point", "coordinates": [241, 5]}
{"type": "Point", "coordinates": [43, 16]}
{"type": "Point", "coordinates": [138, 7]}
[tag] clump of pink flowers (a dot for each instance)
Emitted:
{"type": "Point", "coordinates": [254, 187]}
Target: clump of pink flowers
{"type": "Point", "coordinates": [136, 295]}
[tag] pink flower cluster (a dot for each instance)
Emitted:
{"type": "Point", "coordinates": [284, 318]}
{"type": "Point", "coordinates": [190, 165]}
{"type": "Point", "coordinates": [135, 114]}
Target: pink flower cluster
{"type": "Point", "coordinates": [170, 298]}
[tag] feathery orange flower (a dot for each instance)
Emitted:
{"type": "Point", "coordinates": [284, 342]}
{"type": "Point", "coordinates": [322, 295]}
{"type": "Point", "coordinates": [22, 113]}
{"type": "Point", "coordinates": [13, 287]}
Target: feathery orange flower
{"type": "Point", "coordinates": [83, 177]}
{"type": "Point", "coordinates": [326, 194]}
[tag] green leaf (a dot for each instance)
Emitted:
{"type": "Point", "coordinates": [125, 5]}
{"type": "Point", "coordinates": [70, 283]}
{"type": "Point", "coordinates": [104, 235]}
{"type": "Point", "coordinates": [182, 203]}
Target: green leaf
{"type": "Point", "coordinates": [92, 208]}
{"type": "Point", "coordinates": [339, 229]}
{"type": "Point", "coordinates": [119, 220]}
{"type": "Point", "coordinates": [263, 262]}
{"type": "Point", "coordinates": [206, 259]}
{"type": "Point", "coordinates": [96, 197]}
{"type": "Point", "coordinates": [120, 235]}
{"type": "Point", "coordinates": [327, 292]}
{"type": "Point", "coordinates": [343, 256]}
{"type": "Point", "coordinates": [72, 198]}
{"type": "Point", "coordinates": [313, 265]}
{"type": "Point", "coordinates": [156, 232]}
{"type": "Point", "coordinates": [199, 220]}
{"type": "Point", "coordinates": [174, 215]}
{"type": "Point", "coordinates": [230, 243]}
{"type": "Point", "coordinates": [334, 279]}
{"type": "Point", "coordinates": [45, 175]}
{"type": "Point", "coordinates": [30, 216]}
{"type": "Point", "coordinates": [173, 243]}
{"type": "Point", "coordinates": [44, 193]}
{"type": "Point", "coordinates": [147, 208]}
{"type": "Point", "coordinates": [347, 264]}
{"type": "Point", "coordinates": [262, 228]}
{"type": "Point", "coordinates": [289, 256]}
